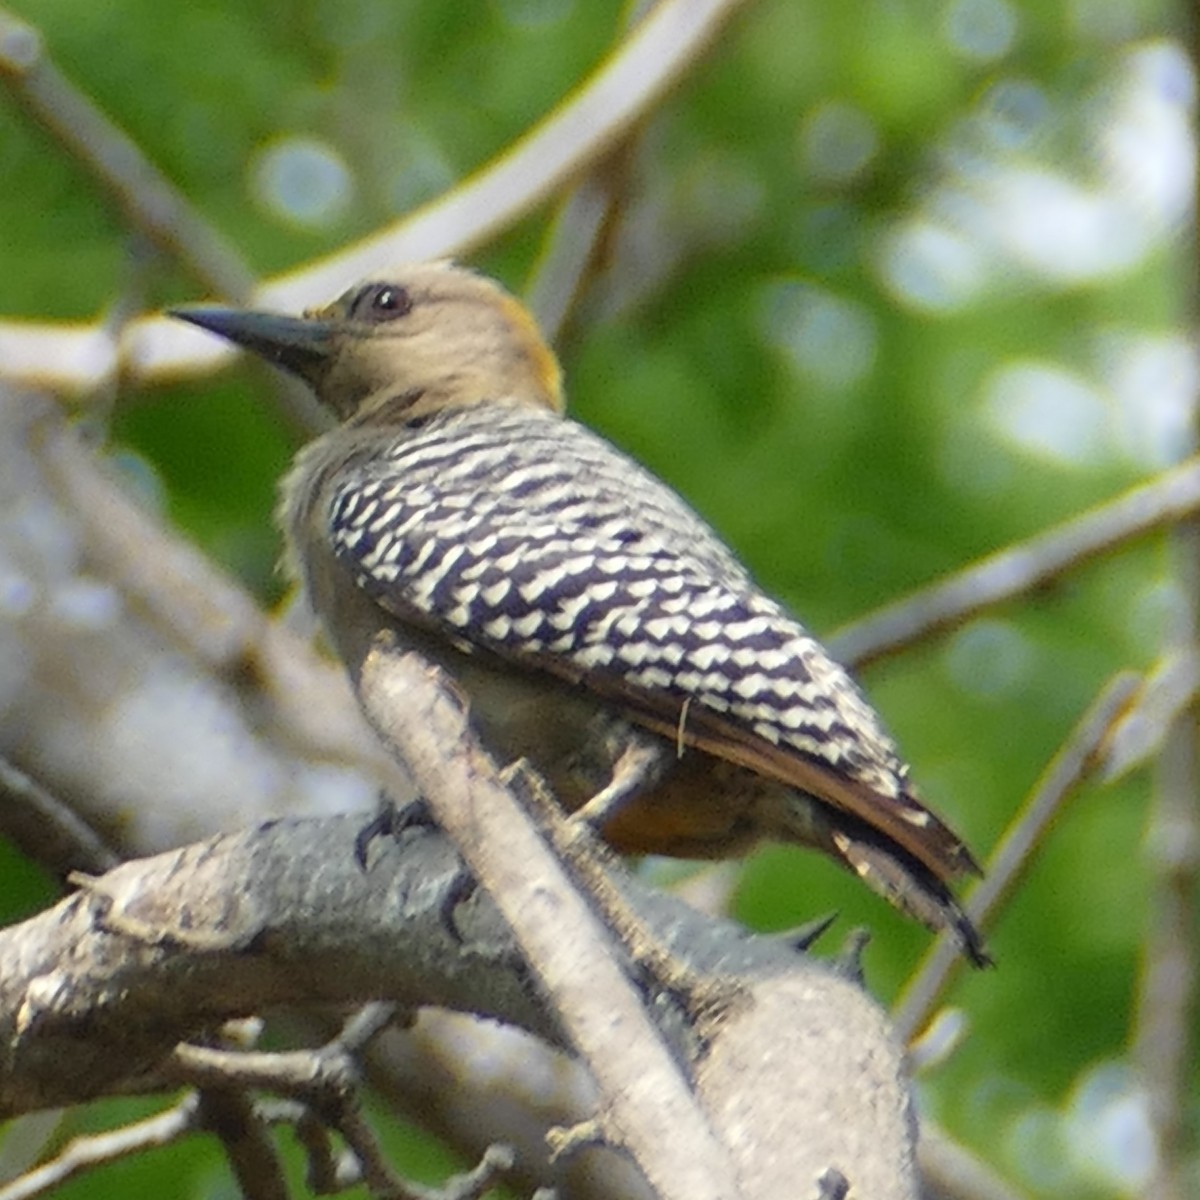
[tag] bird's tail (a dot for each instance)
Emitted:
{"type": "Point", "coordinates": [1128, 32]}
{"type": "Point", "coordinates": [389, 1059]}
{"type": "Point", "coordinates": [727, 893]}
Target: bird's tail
{"type": "Point", "coordinates": [887, 869]}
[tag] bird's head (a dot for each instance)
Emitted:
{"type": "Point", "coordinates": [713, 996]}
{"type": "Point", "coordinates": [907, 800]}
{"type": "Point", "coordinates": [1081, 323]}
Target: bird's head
{"type": "Point", "coordinates": [419, 339]}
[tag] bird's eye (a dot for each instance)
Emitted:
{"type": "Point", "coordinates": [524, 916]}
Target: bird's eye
{"type": "Point", "coordinates": [381, 302]}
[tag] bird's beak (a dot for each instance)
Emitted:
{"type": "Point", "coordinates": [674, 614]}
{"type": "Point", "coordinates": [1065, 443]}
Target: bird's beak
{"type": "Point", "coordinates": [301, 345]}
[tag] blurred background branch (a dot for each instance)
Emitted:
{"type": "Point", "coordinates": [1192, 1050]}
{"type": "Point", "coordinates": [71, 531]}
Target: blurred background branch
{"type": "Point", "coordinates": [656, 52]}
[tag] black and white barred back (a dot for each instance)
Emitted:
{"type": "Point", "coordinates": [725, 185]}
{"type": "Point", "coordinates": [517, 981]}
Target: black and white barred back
{"type": "Point", "coordinates": [526, 534]}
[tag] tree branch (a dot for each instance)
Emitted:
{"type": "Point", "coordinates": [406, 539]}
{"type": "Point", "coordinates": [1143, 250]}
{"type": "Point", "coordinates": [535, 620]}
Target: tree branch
{"type": "Point", "coordinates": [648, 1109]}
{"type": "Point", "coordinates": [1020, 568]}
{"type": "Point", "coordinates": [152, 204]}
{"type": "Point", "coordinates": [95, 993]}
{"type": "Point", "coordinates": [1079, 755]}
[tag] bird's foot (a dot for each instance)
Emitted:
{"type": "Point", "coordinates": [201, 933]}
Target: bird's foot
{"type": "Point", "coordinates": [391, 820]}
{"type": "Point", "coordinates": [639, 763]}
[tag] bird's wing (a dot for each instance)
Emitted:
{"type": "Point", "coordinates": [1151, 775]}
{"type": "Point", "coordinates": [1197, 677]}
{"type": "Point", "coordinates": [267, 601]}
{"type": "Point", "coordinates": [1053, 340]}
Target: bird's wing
{"type": "Point", "coordinates": [543, 544]}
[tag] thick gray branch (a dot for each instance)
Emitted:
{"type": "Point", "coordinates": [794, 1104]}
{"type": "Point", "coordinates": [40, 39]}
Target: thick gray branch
{"type": "Point", "coordinates": [96, 990]}
{"type": "Point", "coordinates": [94, 993]}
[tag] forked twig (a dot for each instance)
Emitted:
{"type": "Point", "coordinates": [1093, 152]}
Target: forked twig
{"type": "Point", "coordinates": [1074, 760]}
{"type": "Point", "coordinates": [1020, 568]}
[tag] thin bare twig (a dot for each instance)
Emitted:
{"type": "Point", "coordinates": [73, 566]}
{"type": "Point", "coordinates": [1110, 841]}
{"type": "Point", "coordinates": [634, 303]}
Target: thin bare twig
{"type": "Point", "coordinates": [575, 245]}
{"type": "Point", "coordinates": [1076, 758]}
{"type": "Point", "coordinates": [1020, 568]}
{"type": "Point", "coordinates": [240, 1125]}
{"type": "Point", "coordinates": [303, 1074]}
{"type": "Point", "coordinates": [329, 1171]}
{"type": "Point", "coordinates": [497, 1161]}
{"type": "Point", "coordinates": [326, 1080]}
{"type": "Point", "coordinates": [230, 1116]}
{"type": "Point", "coordinates": [46, 830]}
{"type": "Point", "coordinates": [646, 1104]}
{"type": "Point", "coordinates": [84, 1153]}
{"type": "Point", "coordinates": [366, 1025]}
{"type": "Point", "coordinates": [377, 1173]}
{"type": "Point", "coordinates": [314, 1075]}
{"type": "Point", "coordinates": [1170, 689]}
{"type": "Point", "coordinates": [951, 1172]}
{"type": "Point", "coordinates": [150, 201]}
{"type": "Point", "coordinates": [581, 231]}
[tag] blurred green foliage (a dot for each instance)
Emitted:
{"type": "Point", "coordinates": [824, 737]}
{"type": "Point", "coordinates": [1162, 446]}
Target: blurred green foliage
{"type": "Point", "coordinates": [838, 400]}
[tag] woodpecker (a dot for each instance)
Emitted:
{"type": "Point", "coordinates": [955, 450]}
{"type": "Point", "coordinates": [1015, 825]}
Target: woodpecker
{"type": "Point", "coordinates": [592, 619]}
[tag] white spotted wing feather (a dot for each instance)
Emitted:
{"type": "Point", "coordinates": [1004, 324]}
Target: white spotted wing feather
{"type": "Point", "coordinates": [521, 533]}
